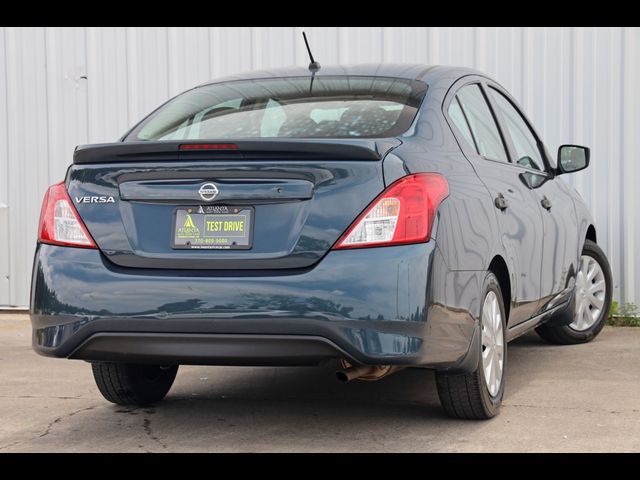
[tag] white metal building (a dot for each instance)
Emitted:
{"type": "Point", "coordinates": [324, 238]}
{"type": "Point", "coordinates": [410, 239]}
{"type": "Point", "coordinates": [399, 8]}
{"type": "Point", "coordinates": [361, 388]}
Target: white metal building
{"type": "Point", "coordinates": [60, 87]}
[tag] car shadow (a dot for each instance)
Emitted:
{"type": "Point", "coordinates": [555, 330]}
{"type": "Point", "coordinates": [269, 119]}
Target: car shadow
{"type": "Point", "coordinates": [202, 395]}
{"type": "Point", "coordinates": [286, 409]}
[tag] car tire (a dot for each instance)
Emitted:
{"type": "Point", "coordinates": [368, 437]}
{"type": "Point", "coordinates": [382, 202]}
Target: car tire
{"type": "Point", "coordinates": [133, 384]}
{"type": "Point", "coordinates": [470, 395]}
{"type": "Point", "coordinates": [584, 331]}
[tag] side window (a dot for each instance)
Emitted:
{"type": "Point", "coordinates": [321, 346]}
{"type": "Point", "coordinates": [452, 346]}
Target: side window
{"type": "Point", "coordinates": [527, 151]}
{"type": "Point", "coordinates": [482, 124]}
{"type": "Point", "coordinates": [457, 116]}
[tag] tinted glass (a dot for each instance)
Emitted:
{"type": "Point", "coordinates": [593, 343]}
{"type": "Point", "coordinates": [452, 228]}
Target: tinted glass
{"type": "Point", "coordinates": [342, 107]}
{"type": "Point", "coordinates": [482, 123]}
{"type": "Point", "coordinates": [527, 152]}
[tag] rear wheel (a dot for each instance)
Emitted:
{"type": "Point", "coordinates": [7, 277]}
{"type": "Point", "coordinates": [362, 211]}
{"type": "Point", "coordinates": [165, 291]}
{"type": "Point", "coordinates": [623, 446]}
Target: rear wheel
{"type": "Point", "coordinates": [592, 300]}
{"type": "Point", "coordinates": [478, 395]}
{"type": "Point", "coordinates": [133, 384]}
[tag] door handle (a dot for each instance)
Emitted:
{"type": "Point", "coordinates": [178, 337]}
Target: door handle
{"type": "Point", "coordinates": [546, 203]}
{"type": "Point", "coordinates": [501, 202]}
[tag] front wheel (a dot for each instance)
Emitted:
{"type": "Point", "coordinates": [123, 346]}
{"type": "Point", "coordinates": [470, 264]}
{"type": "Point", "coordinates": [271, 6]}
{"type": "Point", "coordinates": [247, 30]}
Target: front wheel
{"type": "Point", "coordinates": [592, 300]}
{"type": "Point", "coordinates": [478, 395]}
{"type": "Point", "coordinates": [133, 384]}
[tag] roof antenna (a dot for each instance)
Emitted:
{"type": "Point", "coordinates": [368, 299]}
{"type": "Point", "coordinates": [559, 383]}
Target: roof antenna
{"type": "Point", "coordinates": [313, 66]}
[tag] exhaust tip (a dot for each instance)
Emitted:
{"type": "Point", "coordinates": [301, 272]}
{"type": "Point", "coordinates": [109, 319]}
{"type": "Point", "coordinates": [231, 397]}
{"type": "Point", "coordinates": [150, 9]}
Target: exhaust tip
{"type": "Point", "coordinates": [342, 376]}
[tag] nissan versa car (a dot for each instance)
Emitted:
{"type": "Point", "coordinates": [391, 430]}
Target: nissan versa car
{"type": "Point", "coordinates": [380, 216]}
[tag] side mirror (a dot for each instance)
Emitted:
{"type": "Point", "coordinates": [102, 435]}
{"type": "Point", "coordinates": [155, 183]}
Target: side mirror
{"type": "Point", "coordinates": [572, 158]}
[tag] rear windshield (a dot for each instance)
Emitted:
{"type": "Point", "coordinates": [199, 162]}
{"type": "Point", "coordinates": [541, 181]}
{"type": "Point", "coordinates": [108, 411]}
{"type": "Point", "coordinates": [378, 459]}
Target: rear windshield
{"type": "Point", "coordinates": [337, 107]}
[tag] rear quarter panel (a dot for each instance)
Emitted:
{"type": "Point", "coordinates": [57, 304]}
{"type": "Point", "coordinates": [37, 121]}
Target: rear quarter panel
{"type": "Point", "coordinates": [468, 232]}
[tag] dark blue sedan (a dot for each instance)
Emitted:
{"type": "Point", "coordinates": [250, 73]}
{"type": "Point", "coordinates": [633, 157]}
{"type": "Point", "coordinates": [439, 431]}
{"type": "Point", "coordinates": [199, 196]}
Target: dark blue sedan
{"type": "Point", "coordinates": [380, 216]}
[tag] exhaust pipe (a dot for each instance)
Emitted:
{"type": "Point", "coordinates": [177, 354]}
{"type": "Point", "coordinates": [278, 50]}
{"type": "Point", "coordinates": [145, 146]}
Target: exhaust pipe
{"type": "Point", "coordinates": [351, 373]}
{"type": "Point", "coordinates": [365, 372]}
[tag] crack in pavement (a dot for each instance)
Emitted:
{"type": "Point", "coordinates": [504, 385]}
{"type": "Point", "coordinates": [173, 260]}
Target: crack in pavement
{"type": "Point", "coordinates": [64, 417]}
{"type": "Point", "coordinates": [49, 426]}
{"type": "Point", "coordinates": [3, 447]}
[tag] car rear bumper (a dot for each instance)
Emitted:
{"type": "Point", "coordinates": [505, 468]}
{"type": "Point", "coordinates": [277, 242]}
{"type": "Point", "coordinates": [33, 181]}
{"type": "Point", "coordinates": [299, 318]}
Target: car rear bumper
{"type": "Point", "coordinates": [370, 306]}
{"type": "Point", "coordinates": [208, 348]}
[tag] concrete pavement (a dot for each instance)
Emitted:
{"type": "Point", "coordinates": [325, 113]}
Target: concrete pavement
{"type": "Point", "coordinates": [580, 398]}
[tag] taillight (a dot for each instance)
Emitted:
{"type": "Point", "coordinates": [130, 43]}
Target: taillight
{"type": "Point", "coordinates": [208, 146]}
{"type": "Point", "coordinates": [60, 223]}
{"type": "Point", "coordinates": [402, 214]}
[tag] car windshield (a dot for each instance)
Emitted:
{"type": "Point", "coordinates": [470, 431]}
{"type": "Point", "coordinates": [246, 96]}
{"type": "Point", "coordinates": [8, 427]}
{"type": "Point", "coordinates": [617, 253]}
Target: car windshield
{"type": "Point", "coordinates": [298, 107]}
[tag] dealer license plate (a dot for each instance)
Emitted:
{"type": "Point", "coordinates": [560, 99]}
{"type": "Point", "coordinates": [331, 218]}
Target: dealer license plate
{"type": "Point", "coordinates": [212, 227]}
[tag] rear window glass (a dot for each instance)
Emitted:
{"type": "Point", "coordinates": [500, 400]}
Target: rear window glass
{"type": "Point", "coordinates": [338, 107]}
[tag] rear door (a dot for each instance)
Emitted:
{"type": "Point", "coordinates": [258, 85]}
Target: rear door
{"type": "Point", "coordinates": [515, 204]}
{"type": "Point", "coordinates": [560, 223]}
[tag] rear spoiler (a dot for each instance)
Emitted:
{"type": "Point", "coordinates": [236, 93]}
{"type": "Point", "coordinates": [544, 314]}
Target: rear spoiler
{"type": "Point", "coordinates": [275, 148]}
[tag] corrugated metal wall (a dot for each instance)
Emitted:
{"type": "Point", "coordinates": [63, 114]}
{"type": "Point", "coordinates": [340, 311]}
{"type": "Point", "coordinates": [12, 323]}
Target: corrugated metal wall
{"type": "Point", "coordinates": [60, 87]}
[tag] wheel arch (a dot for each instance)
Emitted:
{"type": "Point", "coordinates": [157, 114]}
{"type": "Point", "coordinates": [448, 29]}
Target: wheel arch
{"type": "Point", "coordinates": [499, 268]}
{"type": "Point", "coordinates": [591, 233]}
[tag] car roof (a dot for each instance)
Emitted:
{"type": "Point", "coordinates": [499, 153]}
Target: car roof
{"type": "Point", "coordinates": [410, 71]}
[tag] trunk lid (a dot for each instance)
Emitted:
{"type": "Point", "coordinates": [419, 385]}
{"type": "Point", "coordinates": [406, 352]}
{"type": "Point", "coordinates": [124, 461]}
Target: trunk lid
{"type": "Point", "coordinates": [301, 194]}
